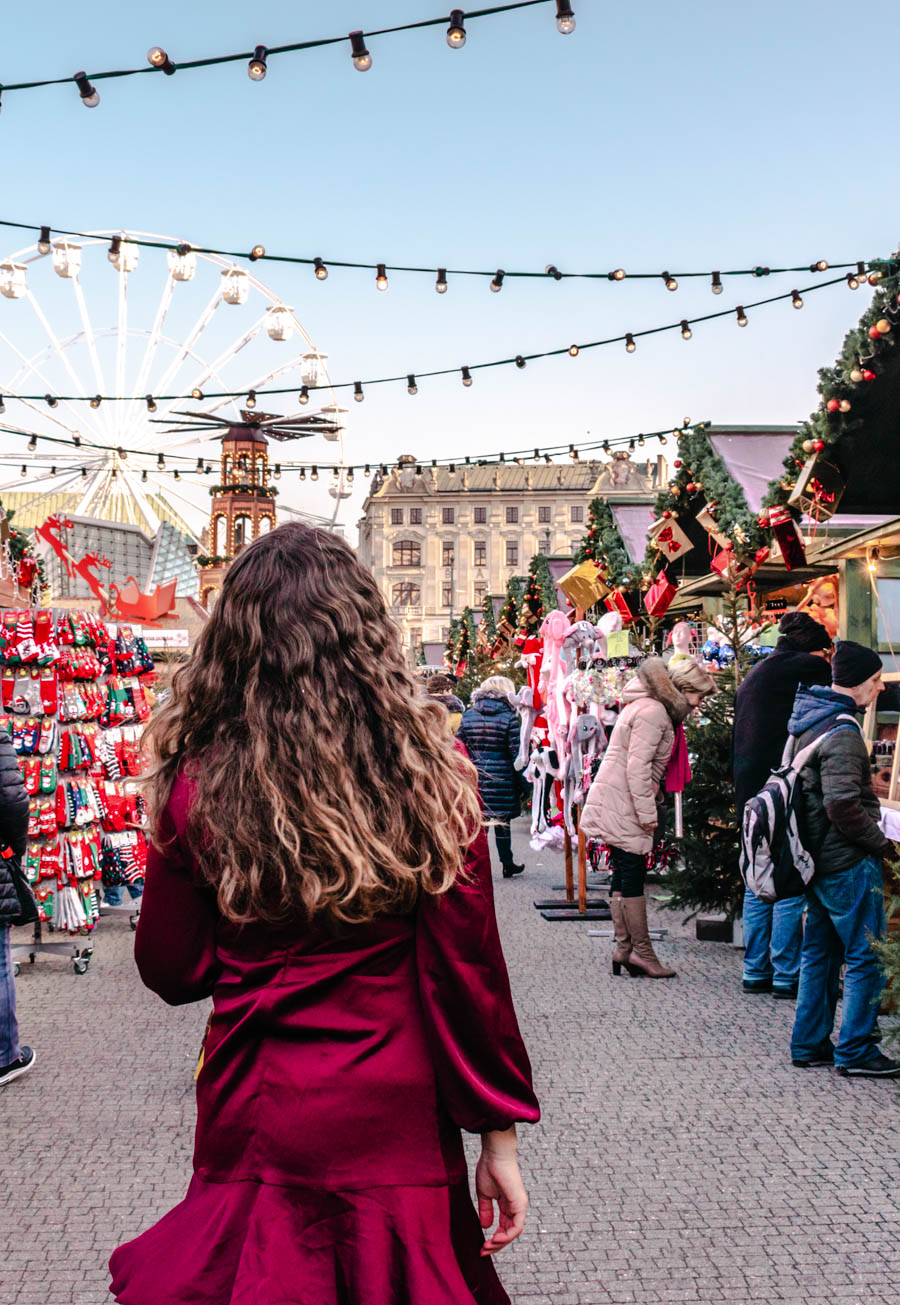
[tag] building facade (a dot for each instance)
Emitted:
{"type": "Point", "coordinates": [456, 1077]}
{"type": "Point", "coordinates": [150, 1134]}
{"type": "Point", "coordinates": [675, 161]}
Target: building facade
{"type": "Point", "coordinates": [243, 505]}
{"type": "Point", "coordinates": [439, 539]}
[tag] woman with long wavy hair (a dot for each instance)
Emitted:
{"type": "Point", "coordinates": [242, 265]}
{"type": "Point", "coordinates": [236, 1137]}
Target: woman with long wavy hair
{"type": "Point", "coordinates": [319, 868]}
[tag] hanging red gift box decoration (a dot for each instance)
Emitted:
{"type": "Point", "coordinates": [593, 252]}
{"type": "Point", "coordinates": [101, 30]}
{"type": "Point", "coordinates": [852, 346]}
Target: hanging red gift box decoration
{"type": "Point", "coordinates": [819, 488]}
{"type": "Point", "coordinates": [784, 528]}
{"type": "Point", "coordinates": [707, 520]}
{"type": "Point", "coordinates": [738, 571]}
{"type": "Point", "coordinates": [660, 594]}
{"type": "Point", "coordinates": [666, 535]}
{"type": "Point", "coordinates": [615, 601]}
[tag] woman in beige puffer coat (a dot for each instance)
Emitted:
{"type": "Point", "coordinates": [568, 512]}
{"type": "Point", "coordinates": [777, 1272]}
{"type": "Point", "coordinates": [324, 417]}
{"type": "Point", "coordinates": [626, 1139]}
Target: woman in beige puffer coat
{"type": "Point", "coordinates": [621, 805]}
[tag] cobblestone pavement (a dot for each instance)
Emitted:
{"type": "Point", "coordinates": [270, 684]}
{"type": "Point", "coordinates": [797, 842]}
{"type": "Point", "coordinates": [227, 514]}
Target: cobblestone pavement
{"type": "Point", "coordinates": [680, 1158]}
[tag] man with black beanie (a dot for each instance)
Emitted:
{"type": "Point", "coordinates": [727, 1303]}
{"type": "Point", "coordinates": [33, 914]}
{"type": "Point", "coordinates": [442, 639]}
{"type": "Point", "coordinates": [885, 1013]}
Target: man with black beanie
{"type": "Point", "coordinates": [773, 935]}
{"type": "Point", "coordinates": [839, 815]}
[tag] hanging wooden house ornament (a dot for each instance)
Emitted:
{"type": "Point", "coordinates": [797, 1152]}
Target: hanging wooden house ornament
{"type": "Point", "coordinates": [819, 488]}
{"type": "Point", "coordinates": [666, 535]}
{"type": "Point", "coordinates": [583, 585]}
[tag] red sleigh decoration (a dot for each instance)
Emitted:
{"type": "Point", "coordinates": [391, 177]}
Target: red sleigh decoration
{"type": "Point", "coordinates": [128, 602]}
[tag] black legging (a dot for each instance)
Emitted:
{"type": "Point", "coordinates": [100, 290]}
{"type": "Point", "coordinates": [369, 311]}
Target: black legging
{"type": "Point", "coordinates": [503, 839]}
{"type": "Point", "coordinates": [629, 870]}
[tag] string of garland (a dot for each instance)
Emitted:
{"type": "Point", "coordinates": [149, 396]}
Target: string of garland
{"type": "Point", "coordinates": [158, 60]}
{"type": "Point", "coordinates": [495, 277]}
{"type": "Point", "coordinates": [604, 545]}
{"type": "Point", "coordinates": [411, 379]}
{"type": "Point", "coordinates": [848, 386]}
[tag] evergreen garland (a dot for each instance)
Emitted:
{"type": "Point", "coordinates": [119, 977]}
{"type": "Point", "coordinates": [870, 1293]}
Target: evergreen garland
{"type": "Point", "coordinates": [862, 360]}
{"type": "Point", "coordinates": [539, 597]}
{"type": "Point", "coordinates": [488, 623]}
{"type": "Point", "coordinates": [512, 607]}
{"type": "Point", "coordinates": [452, 644]}
{"type": "Point", "coordinates": [604, 545]}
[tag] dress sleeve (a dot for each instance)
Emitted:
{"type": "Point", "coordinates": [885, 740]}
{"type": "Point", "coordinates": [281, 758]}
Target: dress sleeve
{"type": "Point", "coordinates": [482, 1068]}
{"type": "Point", "coordinates": [175, 946]}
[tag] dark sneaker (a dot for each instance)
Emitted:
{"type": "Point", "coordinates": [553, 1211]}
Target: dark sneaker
{"type": "Point", "coordinates": [819, 1058]}
{"type": "Point", "coordinates": [18, 1067]}
{"type": "Point", "coordinates": [875, 1067]}
{"type": "Point", "coordinates": [757, 985]}
{"type": "Point", "coordinates": [513, 869]}
{"type": "Point", "coordinates": [786, 994]}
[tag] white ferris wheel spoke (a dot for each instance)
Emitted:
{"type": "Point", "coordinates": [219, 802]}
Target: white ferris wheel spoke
{"type": "Point", "coordinates": [121, 345]}
{"type": "Point", "coordinates": [214, 368]}
{"type": "Point", "coordinates": [67, 363]}
{"type": "Point", "coordinates": [156, 336]}
{"type": "Point", "coordinates": [165, 381]}
{"type": "Point", "coordinates": [151, 521]}
{"type": "Point", "coordinates": [29, 403]}
{"type": "Point", "coordinates": [91, 341]}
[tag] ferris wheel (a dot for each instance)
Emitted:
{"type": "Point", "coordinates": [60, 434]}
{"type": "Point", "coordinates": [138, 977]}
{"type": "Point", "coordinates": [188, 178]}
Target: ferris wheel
{"type": "Point", "coordinates": [101, 315]}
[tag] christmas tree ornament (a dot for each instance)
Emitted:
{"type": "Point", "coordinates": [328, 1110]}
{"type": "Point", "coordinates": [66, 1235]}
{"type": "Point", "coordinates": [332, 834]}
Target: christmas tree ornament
{"type": "Point", "coordinates": [874, 333]}
{"type": "Point", "coordinates": [667, 535]}
{"type": "Point", "coordinates": [856, 375]}
{"type": "Point", "coordinates": [833, 405]}
{"type": "Point", "coordinates": [868, 375]}
{"type": "Point", "coordinates": [583, 585]}
{"type": "Point", "coordinates": [882, 326]}
{"type": "Point", "coordinates": [819, 488]}
{"type": "Point", "coordinates": [786, 533]}
{"type": "Point", "coordinates": [658, 597]}
{"type": "Point", "coordinates": [845, 405]}
{"type": "Point", "coordinates": [707, 519]}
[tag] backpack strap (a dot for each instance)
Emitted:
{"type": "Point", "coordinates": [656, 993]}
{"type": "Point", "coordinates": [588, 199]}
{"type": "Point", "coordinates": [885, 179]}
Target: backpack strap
{"type": "Point", "coordinates": [805, 755]}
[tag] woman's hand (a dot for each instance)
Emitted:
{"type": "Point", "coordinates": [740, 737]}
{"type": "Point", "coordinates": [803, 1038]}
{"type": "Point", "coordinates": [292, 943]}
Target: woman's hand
{"type": "Point", "coordinates": [497, 1178]}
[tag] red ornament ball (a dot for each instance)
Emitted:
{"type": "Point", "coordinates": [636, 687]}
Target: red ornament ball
{"type": "Point", "coordinates": [874, 333]}
{"type": "Point", "coordinates": [867, 375]}
{"type": "Point", "coordinates": [763, 519]}
{"type": "Point", "coordinates": [667, 513]}
{"type": "Point", "coordinates": [690, 487]}
{"type": "Point", "coordinates": [676, 463]}
{"type": "Point", "coordinates": [818, 445]}
{"type": "Point", "coordinates": [833, 405]}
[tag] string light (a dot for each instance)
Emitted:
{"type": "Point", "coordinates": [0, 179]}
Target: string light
{"type": "Point", "coordinates": [381, 280]}
{"type": "Point", "coordinates": [151, 403]}
{"type": "Point", "coordinates": [144, 476]}
{"type": "Point", "coordinates": [199, 464]}
{"type": "Point", "coordinates": [276, 474]}
{"type": "Point", "coordinates": [456, 32]}
{"type": "Point", "coordinates": [115, 249]}
{"type": "Point", "coordinates": [741, 315]}
{"type": "Point", "coordinates": [574, 351]}
{"type": "Point", "coordinates": [157, 58]}
{"type": "Point", "coordinates": [251, 399]}
{"type": "Point", "coordinates": [669, 280]}
{"type": "Point", "coordinates": [552, 270]}
{"type": "Point", "coordinates": [820, 266]}
{"type": "Point", "coordinates": [411, 387]}
{"type": "Point", "coordinates": [565, 19]}
{"type": "Point", "coordinates": [440, 284]}
{"type": "Point", "coordinates": [520, 361]}
{"type": "Point", "coordinates": [90, 97]}
{"type": "Point", "coordinates": [367, 471]}
{"type": "Point", "coordinates": [52, 471]}
{"type": "Point", "coordinates": [686, 331]}
{"type": "Point", "coordinates": [852, 281]}
{"type": "Point", "coordinates": [196, 393]}
{"type": "Point", "coordinates": [358, 391]}
{"type": "Point", "coordinates": [303, 473]}
{"type": "Point", "coordinates": [96, 401]}
{"type": "Point", "coordinates": [795, 299]}
{"type": "Point", "coordinates": [304, 394]}
{"type": "Point", "coordinates": [84, 474]}
{"type": "Point", "coordinates": [256, 68]}
{"type": "Point", "coordinates": [76, 440]}
{"type": "Point", "coordinates": [160, 462]}
{"type": "Point", "coordinates": [43, 243]}
{"type": "Point", "coordinates": [32, 444]}
{"type": "Point", "coordinates": [618, 275]}
{"type": "Point", "coordinates": [717, 286]}
{"type": "Point", "coordinates": [630, 345]}
{"type": "Point", "coordinates": [497, 282]}
{"type": "Point", "coordinates": [466, 377]}
{"type": "Point", "coordinates": [362, 60]}
{"type": "Point", "coordinates": [320, 269]}
{"type": "Point", "coordinates": [257, 252]}
{"type": "Point", "coordinates": [50, 401]}
{"type": "Point", "coordinates": [314, 474]}
{"type": "Point", "coordinates": [24, 471]}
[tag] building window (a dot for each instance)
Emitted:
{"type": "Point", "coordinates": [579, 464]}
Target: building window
{"type": "Point", "coordinates": [512, 516]}
{"type": "Point", "coordinates": [544, 547]}
{"type": "Point", "coordinates": [415, 636]}
{"type": "Point", "coordinates": [545, 515]}
{"type": "Point", "coordinates": [480, 517]}
{"type": "Point", "coordinates": [446, 595]}
{"type": "Point", "coordinates": [480, 591]}
{"type": "Point", "coordinates": [396, 516]}
{"type": "Point", "coordinates": [407, 552]}
{"type": "Point", "coordinates": [415, 516]}
{"type": "Point", "coordinates": [447, 554]}
{"type": "Point", "coordinates": [512, 553]}
{"type": "Point", "coordinates": [242, 532]}
{"type": "Point", "coordinates": [405, 594]}
{"type": "Point", "coordinates": [576, 513]}
{"type": "Point", "coordinates": [448, 516]}
{"type": "Point", "coordinates": [480, 552]}
{"type": "Point", "coordinates": [220, 539]}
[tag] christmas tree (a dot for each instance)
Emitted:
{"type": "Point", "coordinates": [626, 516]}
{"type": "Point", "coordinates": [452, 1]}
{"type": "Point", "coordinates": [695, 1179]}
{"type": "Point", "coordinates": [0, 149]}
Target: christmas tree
{"type": "Point", "coordinates": [706, 875]}
{"type": "Point", "coordinates": [488, 623]}
{"type": "Point", "coordinates": [452, 644]}
{"type": "Point", "coordinates": [539, 597]}
{"type": "Point", "coordinates": [604, 545]}
{"type": "Point", "coordinates": [508, 620]}
{"type": "Point", "coordinates": [29, 566]}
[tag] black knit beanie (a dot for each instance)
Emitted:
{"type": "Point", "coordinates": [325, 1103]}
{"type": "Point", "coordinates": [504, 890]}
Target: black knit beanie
{"type": "Point", "coordinates": [853, 663]}
{"type": "Point", "coordinates": [803, 633]}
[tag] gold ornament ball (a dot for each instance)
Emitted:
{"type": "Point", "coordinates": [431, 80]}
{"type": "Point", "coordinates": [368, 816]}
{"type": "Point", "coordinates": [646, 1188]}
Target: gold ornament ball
{"type": "Point", "coordinates": [882, 326]}
{"type": "Point", "coordinates": [807, 446]}
{"type": "Point", "coordinates": [845, 405]}
{"type": "Point", "coordinates": [856, 376]}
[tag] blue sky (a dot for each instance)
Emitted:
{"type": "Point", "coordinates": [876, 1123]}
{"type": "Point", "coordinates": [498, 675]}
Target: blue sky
{"type": "Point", "coordinates": [656, 136]}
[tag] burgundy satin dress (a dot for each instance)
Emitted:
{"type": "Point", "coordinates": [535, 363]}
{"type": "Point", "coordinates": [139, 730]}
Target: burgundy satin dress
{"type": "Point", "coordinates": [328, 1159]}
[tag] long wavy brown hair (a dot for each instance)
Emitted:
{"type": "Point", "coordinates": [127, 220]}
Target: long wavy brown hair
{"type": "Point", "coordinates": [327, 786]}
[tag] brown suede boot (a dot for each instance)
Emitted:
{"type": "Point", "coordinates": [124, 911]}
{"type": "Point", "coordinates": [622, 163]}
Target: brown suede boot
{"type": "Point", "coordinates": [620, 931]}
{"type": "Point", "coordinates": [643, 959]}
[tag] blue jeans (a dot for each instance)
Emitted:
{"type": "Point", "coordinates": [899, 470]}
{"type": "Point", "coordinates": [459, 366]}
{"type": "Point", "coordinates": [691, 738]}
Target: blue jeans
{"type": "Point", "coordinates": [9, 1028]}
{"type": "Point", "coordinates": [114, 896]}
{"type": "Point", "coordinates": [773, 937]}
{"type": "Point", "coordinates": [844, 912]}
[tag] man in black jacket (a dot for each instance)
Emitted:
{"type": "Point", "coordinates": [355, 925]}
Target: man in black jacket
{"type": "Point", "coordinates": [839, 815]}
{"type": "Point", "coordinates": [14, 1060]}
{"type": "Point", "coordinates": [773, 935]}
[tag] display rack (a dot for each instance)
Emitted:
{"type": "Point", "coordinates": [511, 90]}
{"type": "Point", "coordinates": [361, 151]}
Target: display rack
{"type": "Point", "coordinates": [75, 697]}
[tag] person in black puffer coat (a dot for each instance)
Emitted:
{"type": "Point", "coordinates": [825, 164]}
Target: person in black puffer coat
{"type": "Point", "coordinates": [773, 934]}
{"type": "Point", "coordinates": [490, 731]}
{"type": "Point", "coordinates": [14, 1060]}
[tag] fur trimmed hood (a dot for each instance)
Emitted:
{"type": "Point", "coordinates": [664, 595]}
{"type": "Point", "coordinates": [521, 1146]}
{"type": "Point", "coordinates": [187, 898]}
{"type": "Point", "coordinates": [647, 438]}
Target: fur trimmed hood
{"type": "Point", "coordinates": [493, 695]}
{"type": "Point", "coordinates": [653, 681]}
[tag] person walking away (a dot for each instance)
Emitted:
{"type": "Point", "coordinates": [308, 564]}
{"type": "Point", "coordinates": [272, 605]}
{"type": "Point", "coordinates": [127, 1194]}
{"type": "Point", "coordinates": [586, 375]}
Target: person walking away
{"type": "Point", "coordinates": [490, 732]}
{"type": "Point", "coordinates": [839, 815]}
{"type": "Point", "coordinates": [773, 933]}
{"type": "Point", "coordinates": [319, 868]}
{"type": "Point", "coordinates": [621, 807]}
{"type": "Point", "coordinates": [440, 687]}
{"type": "Point", "coordinates": [15, 1060]}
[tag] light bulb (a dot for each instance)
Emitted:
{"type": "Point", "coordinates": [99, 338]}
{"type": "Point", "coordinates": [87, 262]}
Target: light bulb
{"type": "Point", "coordinates": [520, 361]}
{"type": "Point", "coordinates": [276, 474]}
{"type": "Point", "coordinates": [821, 266]}
{"type": "Point", "coordinates": [157, 58]}
{"type": "Point", "coordinates": [552, 270]}
{"type": "Point", "coordinates": [160, 462]}
{"type": "Point", "coordinates": [84, 473]}
{"type": "Point", "coordinates": [96, 401]}
{"type": "Point", "coordinates": [304, 394]}
{"type": "Point", "coordinates": [199, 464]}
{"type": "Point", "coordinates": [670, 282]}
{"type": "Point", "coordinates": [32, 444]}
{"type": "Point", "coordinates": [76, 440]}
{"type": "Point", "coordinates": [440, 284]}
{"type": "Point", "coordinates": [630, 345]}
{"type": "Point", "coordinates": [302, 473]}
{"type": "Point", "coordinates": [2, 404]}
{"type": "Point", "coordinates": [381, 280]}
{"type": "Point", "coordinates": [314, 474]}
{"type": "Point", "coordinates": [852, 282]}
{"type": "Point", "coordinates": [50, 401]}
{"type": "Point", "coordinates": [151, 403]}
{"type": "Point", "coordinates": [52, 471]}
{"type": "Point", "coordinates": [456, 32]}
{"type": "Point", "coordinates": [256, 68]}
{"type": "Point", "coordinates": [466, 377]}
{"type": "Point", "coordinates": [44, 241]}
{"type": "Point", "coordinates": [573, 351]}
{"type": "Point", "coordinates": [24, 471]}
{"type": "Point", "coordinates": [741, 316]}
{"type": "Point", "coordinates": [641, 441]}
{"type": "Point", "coordinates": [411, 387]}
{"type": "Point", "coordinates": [362, 60]}
{"type": "Point", "coordinates": [196, 393]}
{"type": "Point", "coordinates": [663, 439]}
{"type": "Point", "coordinates": [795, 299]}
{"type": "Point", "coordinates": [176, 473]}
{"type": "Point", "coordinates": [618, 275]}
{"type": "Point", "coordinates": [251, 399]}
{"type": "Point", "coordinates": [686, 331]}
{"type": "Point", "coordinates": [144, 476]}
{"type": "Point", "coordinates": [321, 270]}
{"type": "Point", "coordinates": [90, 98]}
{"type": "Point", "coordinates": [565, 19]}
{"type": "Point", "coordinates": [257, 252]}
{"type": "Point", "coordinates": [497, 282]}
{"type": "Point", "coordinates": [115, 249]}
{"type": "Point", "coordinates": [717, 286]}
{"type": "Point", "coordinates": [358, 391]}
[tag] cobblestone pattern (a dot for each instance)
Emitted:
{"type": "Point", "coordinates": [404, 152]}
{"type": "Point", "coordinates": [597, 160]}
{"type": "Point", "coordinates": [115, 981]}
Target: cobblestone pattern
{"type": "Point", "coordinates": [680, 1158]}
